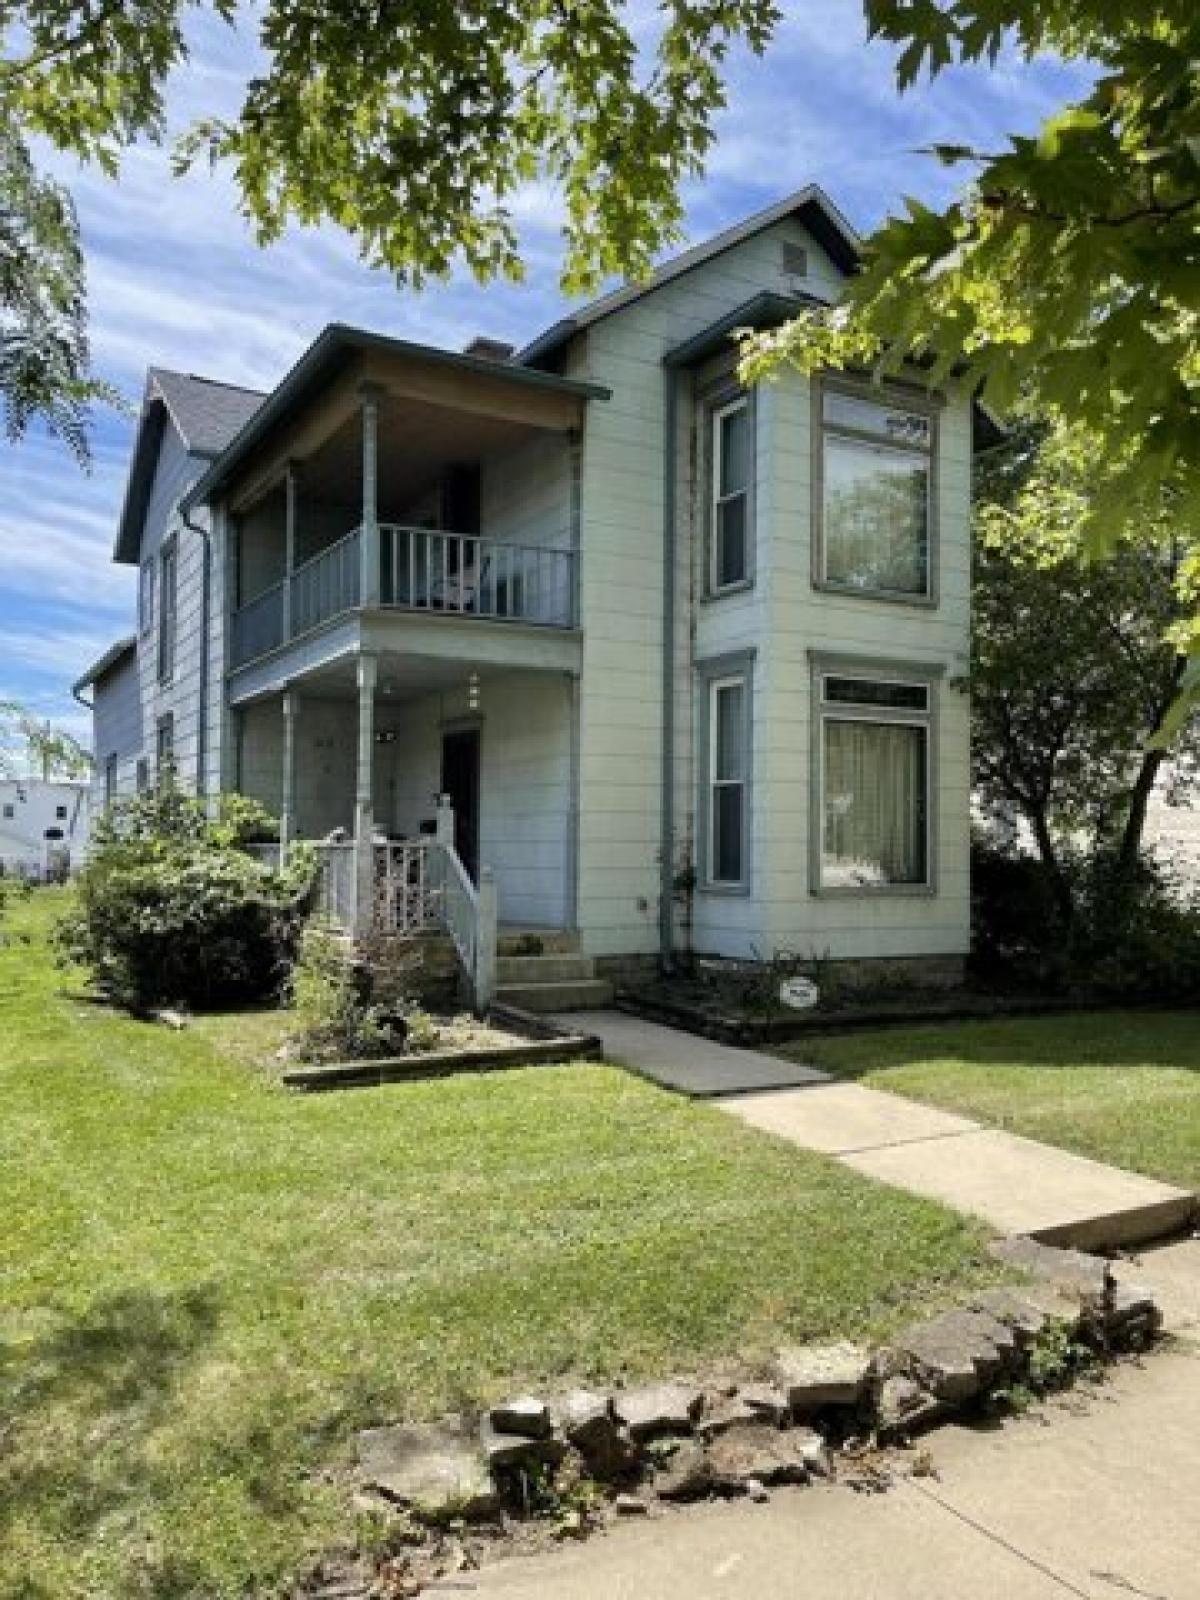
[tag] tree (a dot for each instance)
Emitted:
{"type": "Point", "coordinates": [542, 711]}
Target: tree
{"type": "Point", "coordinates": [1069, 269]}
{"type": "Point", "coordinates": [28, 741]}
{"type": "Point", "coordinates": [1073, 660]}
{"type": "Point", "coordinates": [412, 126]}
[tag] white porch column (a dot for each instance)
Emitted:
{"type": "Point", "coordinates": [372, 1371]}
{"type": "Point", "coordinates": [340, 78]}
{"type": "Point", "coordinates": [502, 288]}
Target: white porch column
{"type": "Point", "coordinates": [291, 487]}
{"type": "Point", "coordinates": [364, 808]}
{"type": "Point", "coordinates": [369, 539]}
{"type": "Point", "coordinates": [486, 935]}
{"type": "Point", "coordinates": [444, 820]}
{"type": "Point", "coordinates": [287, 807]}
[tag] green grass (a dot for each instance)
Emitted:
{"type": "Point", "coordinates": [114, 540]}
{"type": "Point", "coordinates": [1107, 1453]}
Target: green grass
{"type": "Point", "coordinates": [207, 1283]}
{"type": "Point", "coordinates": [1121, 1086]}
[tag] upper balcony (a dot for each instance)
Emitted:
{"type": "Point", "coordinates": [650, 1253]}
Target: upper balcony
{"type": "Point", "coordinates": [399, 499]}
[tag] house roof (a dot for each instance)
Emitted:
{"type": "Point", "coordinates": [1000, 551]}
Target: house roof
{"type": "Point", "coordinates": [810, 206]}
{"type": "Point", "coordinates": [111, 658]}
{"type": "Point", "coordinates": [205, 413]}
{"type": "Point", "coordinates": [326, 354]}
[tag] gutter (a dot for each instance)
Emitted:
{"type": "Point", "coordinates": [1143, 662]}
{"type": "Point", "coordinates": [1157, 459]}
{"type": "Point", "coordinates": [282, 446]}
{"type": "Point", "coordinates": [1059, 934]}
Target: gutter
{"type": "Point", "coordinates": [205, 607]}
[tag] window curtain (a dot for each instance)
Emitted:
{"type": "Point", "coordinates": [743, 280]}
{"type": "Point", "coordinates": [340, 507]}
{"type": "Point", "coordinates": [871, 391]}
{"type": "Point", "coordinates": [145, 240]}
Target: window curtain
{"type": "Point", "coordinates": [874, 829]}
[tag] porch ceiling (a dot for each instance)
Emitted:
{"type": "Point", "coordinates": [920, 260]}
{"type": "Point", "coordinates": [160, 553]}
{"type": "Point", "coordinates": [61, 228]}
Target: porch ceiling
{"type": "Point", "coordinates": [417, 439]}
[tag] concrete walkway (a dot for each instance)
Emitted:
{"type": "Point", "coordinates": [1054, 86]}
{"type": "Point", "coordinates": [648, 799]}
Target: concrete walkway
{"type": "Point", "coordinates": [1016, 1185]}
{"type": "Point", "coordinates": [1094, 1496]}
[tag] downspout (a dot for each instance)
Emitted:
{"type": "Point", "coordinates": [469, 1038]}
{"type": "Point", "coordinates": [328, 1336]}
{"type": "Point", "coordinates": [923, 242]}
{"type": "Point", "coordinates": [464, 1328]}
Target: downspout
{"type": "Point", "coordinates": [666, 888]}
{"type": "Point", "coordinates": [202, 696]}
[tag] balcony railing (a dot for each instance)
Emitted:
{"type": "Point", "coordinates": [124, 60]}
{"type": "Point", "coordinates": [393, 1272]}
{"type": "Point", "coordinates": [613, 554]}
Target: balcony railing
{"type": "Point", "coordinates": [257, 626]}
{"type": "Point", "coordinates": [424, 569]}
{"type": "Point", "coordinates": [326, 585]}
{"type": "Point", "coordinates": [420, 569]}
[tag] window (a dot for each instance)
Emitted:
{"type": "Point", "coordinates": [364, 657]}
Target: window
{"type": "Point", "coordinates": [874, 754]}
{"type": "Point", "coordinates": [9, 811]}
{"type": "Point", "coordinates": [110, 781]}
{"type": "Point", "coordinates": [142, 778]}
{"type": "Point", "coordinates": [167, 596]}
{"type": "Point", "coordinates": [146, 597]}
{"type": "Point", "coordinates": [60, 813]}
{"type": "Point", "coordinates": [164, 747]}
{"type": "Point", "coordinates": [876, 495]}
{"type": "Point", "coordinates": [728, 770]}
{"type": "Point", "coordinates": [732, 452]}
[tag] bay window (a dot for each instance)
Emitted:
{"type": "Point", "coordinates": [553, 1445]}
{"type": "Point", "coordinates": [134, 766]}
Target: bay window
{"type": "Point", "coordinates": [875, 499]}
{"type": "Point", "coordinates": [875, 762]}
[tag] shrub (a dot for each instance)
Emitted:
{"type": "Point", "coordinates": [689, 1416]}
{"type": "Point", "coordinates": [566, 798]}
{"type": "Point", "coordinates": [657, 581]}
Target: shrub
{"type": "Point", "coordinates": [338, 1013]}
{"type": "Point", "coordinates": [171, 909]}
{"type": "Point", "coordinates": [1131, 935]}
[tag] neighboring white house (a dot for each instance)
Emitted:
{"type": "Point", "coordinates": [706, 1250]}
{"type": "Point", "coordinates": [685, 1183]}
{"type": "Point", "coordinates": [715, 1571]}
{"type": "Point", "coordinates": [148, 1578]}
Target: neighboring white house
{"type": "Point", "coordinates": [43, 827]}
{"type": "Point", "coordinates": [685, 658]}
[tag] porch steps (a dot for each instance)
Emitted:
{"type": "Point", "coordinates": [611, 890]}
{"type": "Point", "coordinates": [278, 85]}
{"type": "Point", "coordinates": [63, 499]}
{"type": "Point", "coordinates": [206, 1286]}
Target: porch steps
{"type": "Point", "coordinates": [559, 981]}
{"type": "Point", "coordinates": [514, 941]}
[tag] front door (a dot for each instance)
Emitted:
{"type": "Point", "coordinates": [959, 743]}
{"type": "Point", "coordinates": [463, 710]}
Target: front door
{"type": "Point", "coordinates": [460, 780]}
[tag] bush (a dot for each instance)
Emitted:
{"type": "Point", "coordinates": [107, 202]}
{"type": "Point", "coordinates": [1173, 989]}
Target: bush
{"type": "Point", "coordinates": [1130, 936]}
{"type": "Point", "coordinates": [171, 909]}
{"type": "Point", "coordinates": [339, 1016]}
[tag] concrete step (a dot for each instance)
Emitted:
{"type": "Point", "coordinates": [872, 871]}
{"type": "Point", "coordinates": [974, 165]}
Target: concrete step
{"type": "Point", "coordinates": [544, 969]}
{"type": "Point", "coordinates": [574, 994]}
{"type": "Point", "coordinates": [513, 941]}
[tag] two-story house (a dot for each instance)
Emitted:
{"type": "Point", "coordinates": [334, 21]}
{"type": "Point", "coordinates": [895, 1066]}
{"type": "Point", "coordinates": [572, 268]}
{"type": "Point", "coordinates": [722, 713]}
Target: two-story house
{"type": "Point", "coordinates": [686, 659]}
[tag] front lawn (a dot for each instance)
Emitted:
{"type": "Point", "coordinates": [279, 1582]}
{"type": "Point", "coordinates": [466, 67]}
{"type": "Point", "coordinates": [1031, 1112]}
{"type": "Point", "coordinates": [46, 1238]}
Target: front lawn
{"type": "Point", "coordinates": [207, 1283]}
{"type": "Point", "coordinates": [1120, 1086]}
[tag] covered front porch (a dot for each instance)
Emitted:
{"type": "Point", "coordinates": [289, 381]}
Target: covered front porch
{"type": "Point", "coordinates": [438, 789]}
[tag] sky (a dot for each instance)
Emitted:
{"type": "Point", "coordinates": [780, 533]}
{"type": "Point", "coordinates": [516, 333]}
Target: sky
{"type": "Point", "coordinates": [175, 279]}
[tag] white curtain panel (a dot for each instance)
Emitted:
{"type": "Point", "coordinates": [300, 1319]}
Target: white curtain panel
{"type": "Point", "coordinates": [874, 804]}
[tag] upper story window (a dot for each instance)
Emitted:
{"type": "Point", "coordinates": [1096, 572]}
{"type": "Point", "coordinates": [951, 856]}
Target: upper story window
{"type": "Point", "coordinates": [874, 782]}
{"type": "Point", "coordinates": [9, 811]}
{"type": "Point", "coordinates": [146, 596]}
{"type": "Point", "coordinates": [876, 497]}
{"type": "Point", "coordinates": [60, 813]}
{"type": "Point", "coordinates": [168, 595]}
{"type": "Point", "coordinates": [110, 781]}
{"type": "Point", "coordinates": [732, 456]}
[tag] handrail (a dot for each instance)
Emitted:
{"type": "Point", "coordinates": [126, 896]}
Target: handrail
{"type": "Point", "coordinates": [420, 886]}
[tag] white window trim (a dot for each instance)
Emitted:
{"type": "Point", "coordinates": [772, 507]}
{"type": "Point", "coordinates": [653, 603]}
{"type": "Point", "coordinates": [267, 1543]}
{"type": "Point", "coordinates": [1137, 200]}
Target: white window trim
{"type": "Point", "coordinates": [825, 711]}
{"type": "Point", "coordinates": [717, 414]}
{"type": "Point", "coordinates": [924, 405]}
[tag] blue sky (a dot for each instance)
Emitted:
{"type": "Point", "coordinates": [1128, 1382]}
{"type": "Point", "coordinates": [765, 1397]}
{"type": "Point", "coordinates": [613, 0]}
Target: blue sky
{"type": "Point", "coordinates": [176, 280]}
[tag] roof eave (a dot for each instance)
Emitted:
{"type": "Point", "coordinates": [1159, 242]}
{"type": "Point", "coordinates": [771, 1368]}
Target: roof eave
{"type": "Point", "coordinates": [111, 657]}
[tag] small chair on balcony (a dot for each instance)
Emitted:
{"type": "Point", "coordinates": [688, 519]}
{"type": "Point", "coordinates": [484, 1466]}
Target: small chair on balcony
{"type": "Point", "coordinates": [462, 590]}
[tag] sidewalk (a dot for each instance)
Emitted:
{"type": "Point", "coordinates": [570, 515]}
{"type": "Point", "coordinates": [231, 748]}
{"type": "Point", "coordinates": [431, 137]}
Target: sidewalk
{"type": "Point", "coordinates": [1094, 1496]}
{"type": "Point", "coordinates": [1016, 1185]}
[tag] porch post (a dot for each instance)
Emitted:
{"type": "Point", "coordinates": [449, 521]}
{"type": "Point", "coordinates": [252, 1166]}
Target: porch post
{"type": "Point", "coordinates": [444, 820]}
{"type": "Point", "coordinates": [287, 808]}
{"type": "Point", "coordinates": [291, 490]}
{"type": "Point", "coordinates": [364, 810]}
{"type": "Point", "coordinates": [485, 941]}
{"type": "Point", "coordinates": [368, 585]}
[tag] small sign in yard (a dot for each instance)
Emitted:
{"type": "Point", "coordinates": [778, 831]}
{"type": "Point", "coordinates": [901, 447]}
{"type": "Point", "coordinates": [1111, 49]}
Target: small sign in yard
{"type": "Point", "coordinates": [798, 994]}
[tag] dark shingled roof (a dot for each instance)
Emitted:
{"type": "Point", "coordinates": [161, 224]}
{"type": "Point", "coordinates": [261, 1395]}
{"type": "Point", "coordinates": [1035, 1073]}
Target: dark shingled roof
{"type": "Point", "coordinates": [207, 413]}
